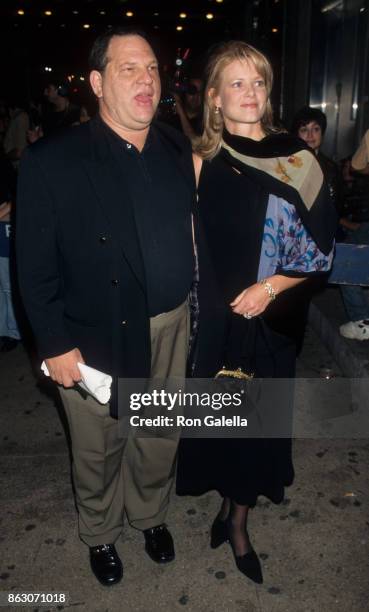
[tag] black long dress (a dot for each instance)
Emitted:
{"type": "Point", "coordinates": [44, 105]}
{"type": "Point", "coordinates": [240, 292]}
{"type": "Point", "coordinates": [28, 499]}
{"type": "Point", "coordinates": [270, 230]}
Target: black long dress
{"type": "Point", "coordinates": [232, 210]}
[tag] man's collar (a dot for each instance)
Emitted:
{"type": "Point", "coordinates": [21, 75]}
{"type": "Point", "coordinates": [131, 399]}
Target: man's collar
{"type": "Point", "coordinates": [120, 140]}
{"type": "Point", "coordinates": [102, 134]}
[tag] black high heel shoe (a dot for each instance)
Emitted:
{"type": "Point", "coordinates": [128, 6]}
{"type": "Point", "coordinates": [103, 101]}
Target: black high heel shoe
{"type": "Point", "coordinates": [218, 533]}
{"type": "Point", "coordinates": [250, 566]}
{"type": "Point", "coordinates": [248, 563]}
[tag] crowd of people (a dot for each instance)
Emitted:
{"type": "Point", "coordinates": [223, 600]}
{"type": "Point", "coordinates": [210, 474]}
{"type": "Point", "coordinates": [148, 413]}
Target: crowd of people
{"type": "Point", "coordinates": [219, 241]}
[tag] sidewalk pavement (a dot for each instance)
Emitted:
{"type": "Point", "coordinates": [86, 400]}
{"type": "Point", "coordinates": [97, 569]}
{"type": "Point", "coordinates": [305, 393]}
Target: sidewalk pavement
{"type": "Point", "coordinates": [314, 547]}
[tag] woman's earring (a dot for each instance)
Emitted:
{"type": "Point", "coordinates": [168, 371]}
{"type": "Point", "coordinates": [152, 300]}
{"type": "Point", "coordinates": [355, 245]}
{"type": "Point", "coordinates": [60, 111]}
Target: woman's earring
{"type": "Point", "coordinates": [217, 110]}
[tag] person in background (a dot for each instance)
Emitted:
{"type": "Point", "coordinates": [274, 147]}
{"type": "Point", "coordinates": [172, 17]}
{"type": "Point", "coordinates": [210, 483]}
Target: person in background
{"type": "Point", "coordinates": [310, 125]}
{"type": "Point", "coordinates": [9, 332]}
{"type": "Point", "coordinates": [88, 108]}
{"type": "Point", "coordinates": [189, 108]}
{"type": "Point", "coordinates": [356, 196]}
{"type": "Point", "coordinates": [355, 297]}
{"type": "Point", "coordinates": [84, 115]}
{"type": "Point", "coordinates": [60, 113]}
{"type": "Point", "coordinates": [4, 120]}
{"type": "Point", "coordinates": [15, 140]}
{"type": "Point", "coordinates": [360, 159]}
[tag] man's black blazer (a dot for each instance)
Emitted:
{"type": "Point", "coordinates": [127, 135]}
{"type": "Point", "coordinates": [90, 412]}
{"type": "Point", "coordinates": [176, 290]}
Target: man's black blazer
{"type": "Point", "coordinates": [80, 267]}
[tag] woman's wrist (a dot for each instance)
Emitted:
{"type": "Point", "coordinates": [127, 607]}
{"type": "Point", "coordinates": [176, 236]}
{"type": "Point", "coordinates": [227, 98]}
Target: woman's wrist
{"type": "Point", "coordinates": [269, 288]}
{"type": "Point", "coordinates": [281, 283]}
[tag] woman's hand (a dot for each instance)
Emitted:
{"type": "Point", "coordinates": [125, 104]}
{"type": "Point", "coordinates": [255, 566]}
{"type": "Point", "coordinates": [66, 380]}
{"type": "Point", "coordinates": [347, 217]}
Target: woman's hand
{"type": "Point", "coordinates": [252, 301]}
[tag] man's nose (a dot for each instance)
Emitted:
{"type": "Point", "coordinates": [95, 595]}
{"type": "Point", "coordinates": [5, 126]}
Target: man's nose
{"type": "Point", "coordinates": [146, 76]}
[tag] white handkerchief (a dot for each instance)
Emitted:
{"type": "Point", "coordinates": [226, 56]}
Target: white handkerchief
{"type": "Point", "coordinates": [93, 381]}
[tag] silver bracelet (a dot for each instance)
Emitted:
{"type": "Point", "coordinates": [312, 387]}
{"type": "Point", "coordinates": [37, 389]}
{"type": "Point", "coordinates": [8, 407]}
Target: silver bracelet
{"type": "Point", "coordinates": [269, 289]}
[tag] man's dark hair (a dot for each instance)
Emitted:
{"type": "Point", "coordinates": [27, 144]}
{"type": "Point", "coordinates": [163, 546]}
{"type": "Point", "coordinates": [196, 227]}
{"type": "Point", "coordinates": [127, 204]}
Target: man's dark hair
{"type": "Point", "coordinates": [98, 58]}
{"type": "Point", "coordinates": [307, 114]}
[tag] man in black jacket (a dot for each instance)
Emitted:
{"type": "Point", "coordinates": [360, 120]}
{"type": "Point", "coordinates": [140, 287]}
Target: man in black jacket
{"type": "Point", "coordinates": [105, 262]}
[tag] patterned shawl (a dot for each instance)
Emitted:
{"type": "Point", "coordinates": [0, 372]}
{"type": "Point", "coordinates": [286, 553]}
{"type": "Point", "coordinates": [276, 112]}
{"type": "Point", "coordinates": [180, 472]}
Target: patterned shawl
{"type": "Point", "coordinates": [286, 167]}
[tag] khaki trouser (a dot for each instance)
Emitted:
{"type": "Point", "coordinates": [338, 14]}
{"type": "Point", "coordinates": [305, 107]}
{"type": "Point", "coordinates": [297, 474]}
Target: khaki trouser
{"type": "Point", "coordinates": [112, 474]}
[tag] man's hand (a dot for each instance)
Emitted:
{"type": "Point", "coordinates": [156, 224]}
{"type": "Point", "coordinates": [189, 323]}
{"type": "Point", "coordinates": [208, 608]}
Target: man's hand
{"type": "Point", "coordinates": [63, 369]}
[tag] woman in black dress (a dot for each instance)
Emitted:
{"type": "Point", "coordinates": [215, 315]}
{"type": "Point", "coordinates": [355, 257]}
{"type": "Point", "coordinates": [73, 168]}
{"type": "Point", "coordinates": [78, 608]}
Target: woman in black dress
{"type": "Point", "coordinates": [268, 225]}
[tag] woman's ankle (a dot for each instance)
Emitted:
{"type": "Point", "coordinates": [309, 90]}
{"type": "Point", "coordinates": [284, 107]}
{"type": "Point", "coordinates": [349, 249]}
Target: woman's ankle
{"type": "Point", "coordinates": [224, 509]}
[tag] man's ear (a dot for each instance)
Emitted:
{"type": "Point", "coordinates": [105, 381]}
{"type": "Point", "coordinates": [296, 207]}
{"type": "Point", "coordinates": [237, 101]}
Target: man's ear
{"type": "Point", "coordinates": [96, 83]}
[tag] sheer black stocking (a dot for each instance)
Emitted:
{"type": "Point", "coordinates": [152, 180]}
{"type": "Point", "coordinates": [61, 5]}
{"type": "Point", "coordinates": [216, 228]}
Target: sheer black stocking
{"type": "Point", "coordinates": [237, 529]}
{"type": "Point", "coordinates": [224, 509]}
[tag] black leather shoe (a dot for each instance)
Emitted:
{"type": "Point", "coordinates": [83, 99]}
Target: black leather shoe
{"type": "Point", "coordinates": [106, 564]}
{"type": "Point", "coordinates": [159, 544]}
{"type": "Point", "coordinates": [218, 533]}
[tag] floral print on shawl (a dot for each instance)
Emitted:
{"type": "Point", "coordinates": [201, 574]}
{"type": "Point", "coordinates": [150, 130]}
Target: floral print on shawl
{"type": "Point", "coordinates": [287, 246]}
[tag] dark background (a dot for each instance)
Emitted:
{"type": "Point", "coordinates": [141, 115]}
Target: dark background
{"type": "Point", "coordinates": [317, 48]}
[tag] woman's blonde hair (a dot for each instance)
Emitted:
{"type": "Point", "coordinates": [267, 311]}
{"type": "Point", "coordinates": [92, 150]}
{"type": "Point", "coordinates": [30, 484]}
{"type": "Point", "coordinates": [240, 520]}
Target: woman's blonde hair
{"type": "Point", "coordinates": [208, 145]}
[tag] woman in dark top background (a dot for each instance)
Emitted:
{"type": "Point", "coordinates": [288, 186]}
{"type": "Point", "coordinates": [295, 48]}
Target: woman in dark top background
{"type": "Point", "coordinates": [310, 125]}
{"type": "Point", "coordinates": [267, 225]}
